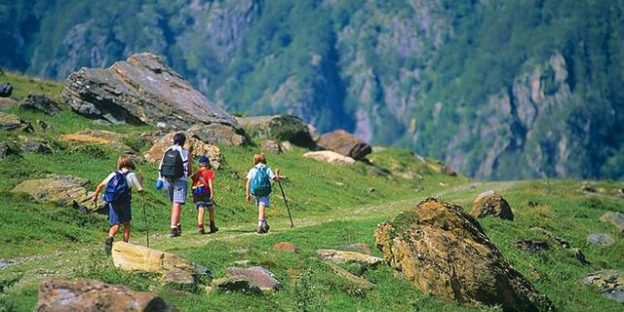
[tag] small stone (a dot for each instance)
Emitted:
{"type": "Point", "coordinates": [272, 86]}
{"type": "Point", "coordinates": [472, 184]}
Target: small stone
{"type": "Point", "coordinates": [339, 256]}
{"type": "Point", "coordinates": [271, 146]}
{"type": "Point", "coordinates": [40, 103]}
{"type": "Point", "coordinates": [178, 278]}
{"type": "Point", "coordinates": [330, 157]}
{"type": "Point", "coordinates": [600, 239]}
{"type": "Point", "coordinates": [286, 246]}
{"type": "Point", "coordinates": [615, 218]}
{"type": "Point", "coordinates": [532, 246]}
{"type": "Point", "coordinates": [235, 283]}
{"type": "Point", "coordinates": [370, 190]}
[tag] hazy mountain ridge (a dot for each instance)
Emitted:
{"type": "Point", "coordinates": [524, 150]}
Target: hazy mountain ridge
{"type": "Point", "coordinates": [497, 90]}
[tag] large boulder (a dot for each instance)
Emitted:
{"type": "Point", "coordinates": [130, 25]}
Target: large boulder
{"type": "Point", "coordinates": [218, 134]}
{"type": "Point", "coordinates": [40, 103]}
{"type": "Point", "coordinates": [89, 295]}
{"type": "Point", "coordinates": [10, 122]}
{"type": "Point", "coordinates": [141, 90]}
{"type": "Point", "coordinates": [330, 157]}
{"type": "Point", "coordinates": [279, 128]}
{"type": "Point", "coordinates": [345, 143]}
{"type": "Point", "coordinates": [609, 283]}
{"type": "Point", "coordinates": [489, 203]}
{"type": "Point", "coordinates": [199, 148]}
{"type": "Point", "coordinates": [63, 190]}
{"type": "Point", "coordinates": [444, 252]}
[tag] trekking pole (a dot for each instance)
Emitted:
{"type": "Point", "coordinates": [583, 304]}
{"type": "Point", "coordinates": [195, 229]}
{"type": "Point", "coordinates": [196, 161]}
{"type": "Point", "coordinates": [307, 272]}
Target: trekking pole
{"type": "Point", "coordinates": [145, 218]}
{"type": "Point", "coordinates": [286, 202]}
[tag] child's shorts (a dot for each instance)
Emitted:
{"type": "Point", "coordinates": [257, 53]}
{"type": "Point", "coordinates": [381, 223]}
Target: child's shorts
{"type": "Point", "coordinates": [203, 203]}
{"type": "Point", "coordinates": [263, 200]}
{"type": "Point", "coordinates": [120, 213]}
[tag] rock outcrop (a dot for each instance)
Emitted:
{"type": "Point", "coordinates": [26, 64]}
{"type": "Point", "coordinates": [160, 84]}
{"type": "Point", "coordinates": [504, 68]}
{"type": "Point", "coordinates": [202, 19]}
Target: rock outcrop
{"type": "Point", "coordinates": [279, 128]}
{"type": "Point", "coordinates": [218, 134]}
{"type": "Point", "coordinates": [330, 157]}
{"type": "Point", "coordinates": [58, 189]}
{"type": "Point", "coordinates": [444, 252]}
{"type": "Point", "coordinates": [609, 283]}
{"type": "Point", "coordinates": [141, 90]}
{"type": "Point", "coordinates": [90, 295]}
{"type": "Point", "coordinates": [10, 122]}
{"type": "Point", "coordinates": [199, 148]}
{"type": "Point", "coordinates": [40, 103]}
{"type": "Point", "coordinates": [345, 143]}
{"type": "Point", "coordinates": [489, 203]}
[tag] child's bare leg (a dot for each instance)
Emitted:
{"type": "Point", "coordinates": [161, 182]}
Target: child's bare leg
{"type": "Point", "coordinates": [211, 214]}
{"type": "Point", "coordinates": [261, 212]}
{"type": "Point", "coordinates": [200, 217]}
{"type": "Point", "coordinates": [126, 232]}
{"type": "Point", "coordinates": [113, 230]}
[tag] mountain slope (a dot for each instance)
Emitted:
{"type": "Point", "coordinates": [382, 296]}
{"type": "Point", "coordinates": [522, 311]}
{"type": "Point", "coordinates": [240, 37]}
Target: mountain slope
{"type": "Point", "coordinates": [498, 90]}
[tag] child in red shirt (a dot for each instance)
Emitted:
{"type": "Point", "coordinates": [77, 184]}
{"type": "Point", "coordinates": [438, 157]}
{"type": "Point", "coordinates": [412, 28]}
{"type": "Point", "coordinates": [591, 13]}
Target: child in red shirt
{"type": "Point", "coordinates": [203, 194]}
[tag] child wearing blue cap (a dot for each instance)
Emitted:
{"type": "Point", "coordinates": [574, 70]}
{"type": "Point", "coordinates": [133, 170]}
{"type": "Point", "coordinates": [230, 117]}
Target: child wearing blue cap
{"type": "Point", "coordinates": [203, 194]}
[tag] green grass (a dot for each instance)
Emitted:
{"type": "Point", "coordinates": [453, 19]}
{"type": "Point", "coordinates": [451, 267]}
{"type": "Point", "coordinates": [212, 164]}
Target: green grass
{"type": "Point", "coordinates": [331, 206]}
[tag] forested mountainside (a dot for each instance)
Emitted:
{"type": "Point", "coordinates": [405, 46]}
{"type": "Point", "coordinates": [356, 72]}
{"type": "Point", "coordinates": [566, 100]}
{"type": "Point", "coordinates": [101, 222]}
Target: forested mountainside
{"type": "Point", "coordinates": [498, 89]}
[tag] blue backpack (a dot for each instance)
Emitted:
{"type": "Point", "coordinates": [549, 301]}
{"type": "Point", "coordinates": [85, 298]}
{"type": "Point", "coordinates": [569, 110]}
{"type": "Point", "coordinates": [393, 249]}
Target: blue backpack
{"type": "Point", "coordinates": [261, 183]}
{"type": "Point", "coordinates": [117, 189]}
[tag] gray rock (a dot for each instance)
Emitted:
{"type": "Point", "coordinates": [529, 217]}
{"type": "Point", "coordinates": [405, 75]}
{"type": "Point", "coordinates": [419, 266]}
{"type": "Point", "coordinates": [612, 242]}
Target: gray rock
{"type": "Point", "coordinates": [271, 146]}
{"type": "Point", "coordinates": [141, 90]}
{"type": "Point", "coordinates": [40, 103]}
{"type": "Point", "coordinates": [489, 203]}
{"type": "Point", "coordinates": [615, 218]}
{"type": "Point", "coordinates": [5, 263]}
{"type": "Point", "coordinates": [279, 128]}
{"type": "Point", "coordinates": [218, 134]}
{"type": "Point", "coordinates": [532, 246]}
{"type": "Point", "coordinates": [609, 283]}
{"type": "Point", "coordinates": [10, 122]}
{"type": "Point", "coordinates": [178, 278]}
{"type": "Point", "coordinates": [600, 239]}
{"type": "Point", "coordinates": [33, 145]}
{"type": "Point", "coordinates": [5, 89]}
{"type": "Point", "coordinates": [258, 276]}
{"type": "Point", "coordinates": [345, 143]}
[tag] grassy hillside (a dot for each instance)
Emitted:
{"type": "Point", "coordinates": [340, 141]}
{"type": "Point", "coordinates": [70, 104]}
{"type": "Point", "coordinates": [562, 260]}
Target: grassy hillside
{"type": "Point", "coordinates": [331, 206]}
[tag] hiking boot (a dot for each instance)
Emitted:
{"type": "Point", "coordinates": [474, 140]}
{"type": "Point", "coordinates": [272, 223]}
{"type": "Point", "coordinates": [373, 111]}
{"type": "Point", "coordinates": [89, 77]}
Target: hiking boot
{"type": "Point", "coordinates": [266, 226]}
{"type": "Point", "coordinates": [213, 229]}
{"type": "Point", "coordinates": [261, 230]}
{"type": "Point", "coordinates": [179, 228]}
{"type": "Point", "coordinates": [201, 231]}
{"type": "Point", "coordinates": [174, 232]}
{"type": "Point", "coordinates": [108, 245]}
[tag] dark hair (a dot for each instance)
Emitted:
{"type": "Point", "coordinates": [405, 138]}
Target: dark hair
{"type": "Point", "coordinates": [179, 138]}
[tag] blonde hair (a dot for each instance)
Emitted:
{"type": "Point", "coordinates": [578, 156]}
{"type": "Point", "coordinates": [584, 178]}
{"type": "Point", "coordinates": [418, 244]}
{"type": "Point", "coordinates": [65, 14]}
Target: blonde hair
{"type": "Point", "coordinates": [125, 162]}
{"type": "Point", "coordinates": [259, 158]}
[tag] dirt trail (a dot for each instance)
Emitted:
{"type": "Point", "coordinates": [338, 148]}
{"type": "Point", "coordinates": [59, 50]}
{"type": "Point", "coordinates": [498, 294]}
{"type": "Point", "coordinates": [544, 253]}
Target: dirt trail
{"type": "Point", "coordinates": [63, 262]}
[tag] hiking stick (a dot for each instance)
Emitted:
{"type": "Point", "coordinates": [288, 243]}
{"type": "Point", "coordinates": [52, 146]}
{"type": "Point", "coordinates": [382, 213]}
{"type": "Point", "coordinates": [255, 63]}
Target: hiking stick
{"type": "Point", "coordinates": [286, 202]}
{"type": "Point", "coordinates": [145, 218]}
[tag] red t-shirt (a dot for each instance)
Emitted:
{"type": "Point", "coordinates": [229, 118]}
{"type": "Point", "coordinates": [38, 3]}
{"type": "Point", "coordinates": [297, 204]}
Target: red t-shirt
{"type": "Point", "coordinates": [206, 173]}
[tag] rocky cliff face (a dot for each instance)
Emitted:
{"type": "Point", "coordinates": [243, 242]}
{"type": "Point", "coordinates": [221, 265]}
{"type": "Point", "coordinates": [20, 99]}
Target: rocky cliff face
{"type": "Point", "coordinates": [497, 91]}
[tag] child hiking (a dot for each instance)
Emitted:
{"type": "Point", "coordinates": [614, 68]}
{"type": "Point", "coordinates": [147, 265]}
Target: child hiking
{"type": "Point", "coordinates": [118, 195]}
{"type": "Point", "coordinates": [174, 168]}
{"type": "Point", "coordinates": [259, 185]}
{"type": "Point", "coordinates": [203, 194]}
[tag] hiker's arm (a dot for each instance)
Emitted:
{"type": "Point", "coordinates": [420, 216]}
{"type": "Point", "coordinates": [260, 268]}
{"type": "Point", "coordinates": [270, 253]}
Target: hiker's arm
{"type": "Point", "coordinates": [98, 190]}
{"type": "Point", "coordinates": [247, 195]}
{"type": "Point", "coordinates": [210, 181]}
{"type": "Point", "coordinates": [276, 178]}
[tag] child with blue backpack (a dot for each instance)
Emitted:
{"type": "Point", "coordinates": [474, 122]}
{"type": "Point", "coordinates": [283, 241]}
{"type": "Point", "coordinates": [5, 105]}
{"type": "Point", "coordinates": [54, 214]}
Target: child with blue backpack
{"type": "Point", "coordinates": [118, 195]}
{"type": "Point", "coordinates": [203, 194]}
{"type": "Point", "coordinates": [259, 185]}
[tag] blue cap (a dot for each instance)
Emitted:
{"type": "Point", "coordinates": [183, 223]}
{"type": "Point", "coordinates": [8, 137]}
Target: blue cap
{"type": "Point", "coordinates": [203, 159]}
